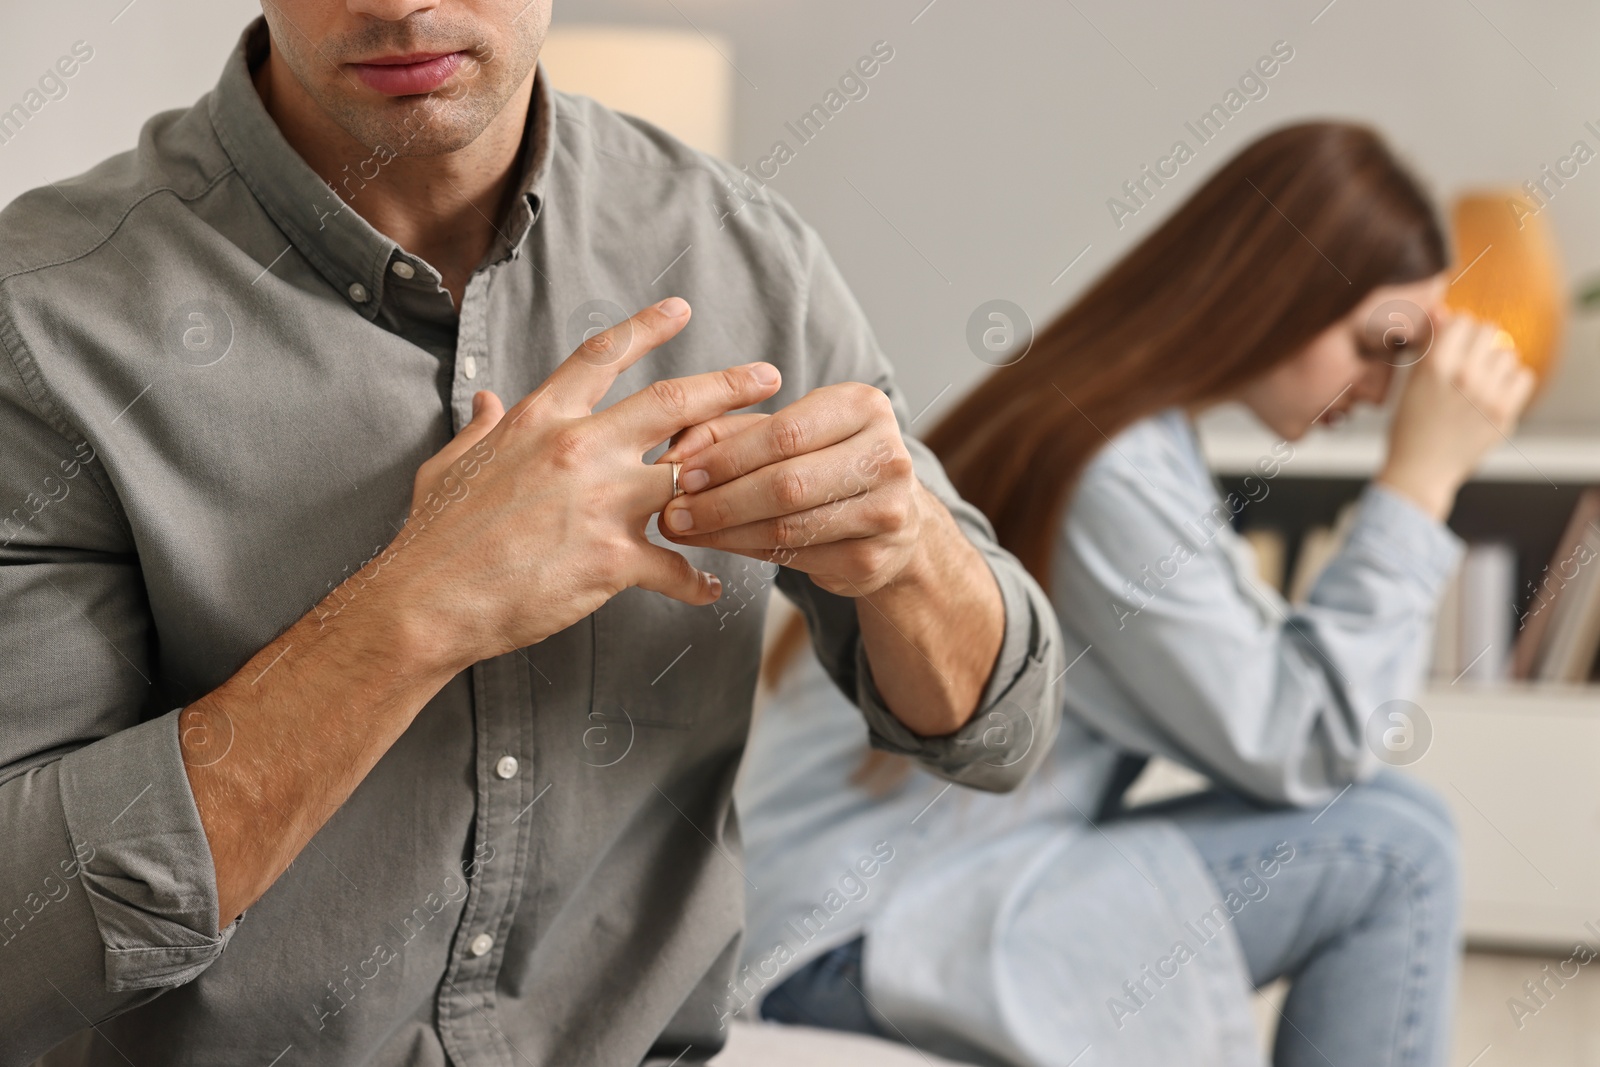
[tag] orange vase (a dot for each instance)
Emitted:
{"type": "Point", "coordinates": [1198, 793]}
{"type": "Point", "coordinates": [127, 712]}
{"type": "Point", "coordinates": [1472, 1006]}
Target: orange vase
{"type": "Point", "coordinates": [1507, 270]}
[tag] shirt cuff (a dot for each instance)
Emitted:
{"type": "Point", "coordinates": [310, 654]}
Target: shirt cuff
{"type": "Point", "coordinates": [1012, 727]}
{"type": "Point", "coordinates": [144, 860]}
{"type": "Point", "coordinates": [1395, 535]}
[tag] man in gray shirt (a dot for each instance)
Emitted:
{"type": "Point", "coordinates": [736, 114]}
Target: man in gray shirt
{"type": "Point", "coordinates": [301, 620]}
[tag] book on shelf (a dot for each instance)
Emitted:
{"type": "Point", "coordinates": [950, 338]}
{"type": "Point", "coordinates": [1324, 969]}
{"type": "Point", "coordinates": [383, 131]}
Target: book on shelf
{"type": "Point", "coordinates": [1485, 604]}
{"type": "Point", "coordinates": [1318, 546]}
{"type": "Point", "coordinates": [1474, 626]}
{"type": "Point", "coordinates": [1560, 626]}
{"type": "Point", "coordinates": [1271, 551]}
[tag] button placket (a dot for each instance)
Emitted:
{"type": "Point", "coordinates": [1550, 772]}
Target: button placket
{"type": "Point", "coordinates": [506, 791]}
{"type": "Point", "coordinates": [466, 1001]}
{"type": "Point", "coordinates": [466, 998]}
{"type": "Point", "coordinates": [472, 348]}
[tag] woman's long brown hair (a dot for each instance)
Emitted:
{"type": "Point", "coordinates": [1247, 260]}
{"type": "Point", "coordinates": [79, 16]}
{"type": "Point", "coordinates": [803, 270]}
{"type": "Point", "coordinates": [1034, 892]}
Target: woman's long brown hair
{"type": "Point", "coordinates": [1283, 241]}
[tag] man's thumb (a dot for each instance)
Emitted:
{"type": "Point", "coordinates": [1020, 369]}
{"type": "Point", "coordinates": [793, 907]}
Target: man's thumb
{"type": "Point", "coordinates": [486, 413]}
{"type": "Point", "coordinates": [486, 406]}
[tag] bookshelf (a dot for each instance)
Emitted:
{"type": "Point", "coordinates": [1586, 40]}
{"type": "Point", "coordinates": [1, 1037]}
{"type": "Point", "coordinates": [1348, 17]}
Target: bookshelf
{"type": "Point", "coordinates": [1539, 458]}
{"type": "Point", "coordinates": [1517, 761]}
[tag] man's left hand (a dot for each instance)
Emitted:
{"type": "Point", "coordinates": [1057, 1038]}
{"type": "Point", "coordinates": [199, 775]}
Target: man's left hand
{"type": "Point", "coordinates": [824, 485]}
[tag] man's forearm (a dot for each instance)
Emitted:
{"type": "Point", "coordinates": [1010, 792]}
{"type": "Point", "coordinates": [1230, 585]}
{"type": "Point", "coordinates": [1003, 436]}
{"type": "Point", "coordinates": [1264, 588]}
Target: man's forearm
{"type": "Point", "coordinates": [274, 751]}
{"type": "Point", "coordinates": [933, 634]}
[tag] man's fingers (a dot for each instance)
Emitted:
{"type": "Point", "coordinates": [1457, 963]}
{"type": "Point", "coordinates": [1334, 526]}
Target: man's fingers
{"type": "Point", "coordinates": [644, 493]}
{"type": "Point", "coordinates": [665, 407]}
{"type": "Point", "coordinates": [664, 571]}
{"type": "Point", "coordinates": [851, 518]}
{"type": "Point", "coordinates": [817, 420]}
{"type": "Point", "coordinates": [577, 385]}
{"type": "Point", "coordinates": [702, 435]}
{"type": "Point", "coordinates": [780, 489]}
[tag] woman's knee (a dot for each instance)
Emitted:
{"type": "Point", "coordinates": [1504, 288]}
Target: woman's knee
{"type": "Point", "coordinates": [1409, 821]}
{"type": "Point", "coordinates": [1419, 793]}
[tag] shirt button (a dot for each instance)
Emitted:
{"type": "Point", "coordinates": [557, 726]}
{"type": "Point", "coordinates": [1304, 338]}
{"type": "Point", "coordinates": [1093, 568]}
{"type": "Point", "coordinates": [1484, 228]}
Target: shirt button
{"type": "Point", "coordinates": [402, 269]}
{"type": "Point", "coordinates": [506, 767]}
{"type": "Point", "coordinates": [480, 945]}
{"type": "Point", "coordinates": [358, 292]}
{"type": "Point", "coordinates": [469, 367]}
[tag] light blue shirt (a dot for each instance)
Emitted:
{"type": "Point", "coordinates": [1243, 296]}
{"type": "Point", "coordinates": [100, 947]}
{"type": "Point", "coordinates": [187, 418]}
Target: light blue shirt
{"type": "Point", "coordinates": [998, 926]}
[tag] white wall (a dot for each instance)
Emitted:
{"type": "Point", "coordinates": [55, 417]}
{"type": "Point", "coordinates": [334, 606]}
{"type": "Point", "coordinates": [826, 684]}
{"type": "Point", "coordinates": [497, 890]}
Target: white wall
{"type": "Point", "coordinates": [980, 162]}
{"type": "Point", "coordinates": [156, 55]}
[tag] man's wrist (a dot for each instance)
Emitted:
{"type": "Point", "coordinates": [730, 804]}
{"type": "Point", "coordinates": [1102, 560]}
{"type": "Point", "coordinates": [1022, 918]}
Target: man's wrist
{"type": "Point", "coordinates": [944, 598]}
{"type": "Point", "coordinates": [391, 613]}
{"type": "Point", "coordinates": [934, 528]}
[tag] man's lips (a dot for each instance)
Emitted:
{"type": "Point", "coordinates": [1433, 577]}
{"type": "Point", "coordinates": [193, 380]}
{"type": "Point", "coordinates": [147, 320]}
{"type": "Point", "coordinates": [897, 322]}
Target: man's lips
{"type": "Point", "coordinates": [409, 75]}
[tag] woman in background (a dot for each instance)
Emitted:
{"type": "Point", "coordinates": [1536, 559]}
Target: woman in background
{"type": "Point", "coordinates": [1051, 926]}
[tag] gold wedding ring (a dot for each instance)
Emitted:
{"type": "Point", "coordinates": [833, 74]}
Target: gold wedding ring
{"type": "Point", "coordinates": [677, 490]}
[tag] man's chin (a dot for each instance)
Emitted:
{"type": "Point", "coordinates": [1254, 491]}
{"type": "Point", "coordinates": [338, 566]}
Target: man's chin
{"type": "Point", "coordinates": [411, 126]}
{"type": "Point", "coordinates": [437, 143]}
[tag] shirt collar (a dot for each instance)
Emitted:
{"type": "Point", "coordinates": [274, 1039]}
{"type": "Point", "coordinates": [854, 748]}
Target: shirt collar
{"type": "Point", "coordinates": [344, 247]}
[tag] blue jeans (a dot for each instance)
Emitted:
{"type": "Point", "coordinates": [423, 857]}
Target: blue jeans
{"type": "Point", "coordinates": [1363, 923]}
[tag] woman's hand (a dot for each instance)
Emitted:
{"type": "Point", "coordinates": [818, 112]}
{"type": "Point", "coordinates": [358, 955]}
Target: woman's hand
{"type": "Point", "coordinates": [1461, 400]}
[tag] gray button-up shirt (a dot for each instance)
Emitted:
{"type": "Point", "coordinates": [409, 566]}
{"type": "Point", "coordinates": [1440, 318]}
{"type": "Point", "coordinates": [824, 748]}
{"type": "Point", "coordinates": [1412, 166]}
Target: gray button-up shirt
{"type": "Point", "coordinates": [216, 384]}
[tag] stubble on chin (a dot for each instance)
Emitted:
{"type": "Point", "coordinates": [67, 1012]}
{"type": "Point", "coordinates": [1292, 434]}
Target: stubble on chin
{"type": "Point", "coordinates": [443, 121]}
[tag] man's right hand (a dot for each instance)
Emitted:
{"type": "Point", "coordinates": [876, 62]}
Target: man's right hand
{"type": "Point", "coordinates": [530, 519]}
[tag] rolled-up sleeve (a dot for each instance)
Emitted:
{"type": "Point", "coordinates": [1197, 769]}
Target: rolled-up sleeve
{"type": "Point", "coordinates": [107, 895]}
{"type": "Point", "coordinates": [1018, 715]}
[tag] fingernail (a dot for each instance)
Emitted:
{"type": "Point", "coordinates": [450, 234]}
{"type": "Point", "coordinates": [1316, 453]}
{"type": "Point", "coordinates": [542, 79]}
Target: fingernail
{"type": "Point", "coordinates": [680, 520]}
{"type": "Point", "coordinates": [765, 373]}
{"type": "Point", "coordinates": [694, 481]}
{"type": "Point", "coordinates": [716, 585]}
{"type": "Point", "coordinates": [674, 307]}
